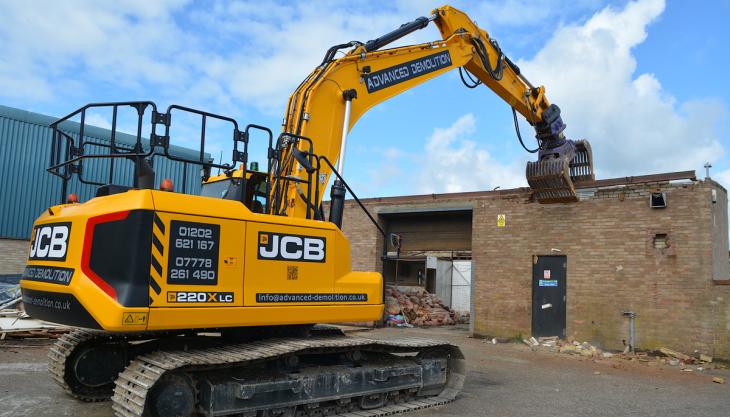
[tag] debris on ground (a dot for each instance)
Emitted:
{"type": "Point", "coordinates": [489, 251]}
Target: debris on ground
{"type": "Point", "coordinates": [675, 354]}
{"type": "Point", "coordinates": [17, 324]}
{"type": "Point", "coordinates": [664, 356]}
{"type": "Point", "coordinates": [9, 295]}
{"type": "Point", "coordinates": [397, 320]}
{"type": "Point", "coordinates": [407, 306]}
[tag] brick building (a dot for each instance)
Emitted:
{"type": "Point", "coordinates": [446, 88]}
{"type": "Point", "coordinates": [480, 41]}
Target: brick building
{"type": "Point", "coordinates": [609, 253]}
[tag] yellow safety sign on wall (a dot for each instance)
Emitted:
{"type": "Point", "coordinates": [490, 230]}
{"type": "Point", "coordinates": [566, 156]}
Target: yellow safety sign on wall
{"type": "Point", "coordinates": [501, 220]}
{"type": "Point", "coordinates": [134, 319]}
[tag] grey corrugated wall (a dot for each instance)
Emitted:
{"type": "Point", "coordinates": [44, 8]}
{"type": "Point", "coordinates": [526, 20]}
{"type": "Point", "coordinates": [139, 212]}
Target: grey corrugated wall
{"type": "Point", "coordinates": [26, 189]}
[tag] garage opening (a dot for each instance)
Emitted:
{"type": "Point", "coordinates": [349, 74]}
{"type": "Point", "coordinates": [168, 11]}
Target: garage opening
{"type": "Point", "coordinates": [435, 254]}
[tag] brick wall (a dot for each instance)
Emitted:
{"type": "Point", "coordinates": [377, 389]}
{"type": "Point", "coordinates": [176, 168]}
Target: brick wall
{"type": "Point", "coordinates": [13, 254]}
{"type": "Point", "coordinates": [612, 263]}
{"type": "Point", "coordinates": [719, 227]}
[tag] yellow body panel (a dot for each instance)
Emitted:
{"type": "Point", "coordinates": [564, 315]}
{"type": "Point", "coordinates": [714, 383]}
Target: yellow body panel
{"type": "Point", "coordinates": [240, 274]}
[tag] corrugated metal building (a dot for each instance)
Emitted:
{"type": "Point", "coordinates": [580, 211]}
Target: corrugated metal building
{"type": "Point", "coordinates": [26, 188]}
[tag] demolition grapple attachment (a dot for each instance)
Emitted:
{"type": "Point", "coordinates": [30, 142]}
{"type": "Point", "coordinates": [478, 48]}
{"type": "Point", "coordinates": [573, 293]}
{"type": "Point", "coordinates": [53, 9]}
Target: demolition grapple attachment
{"type": "Point", "coordinates": [561, 163]}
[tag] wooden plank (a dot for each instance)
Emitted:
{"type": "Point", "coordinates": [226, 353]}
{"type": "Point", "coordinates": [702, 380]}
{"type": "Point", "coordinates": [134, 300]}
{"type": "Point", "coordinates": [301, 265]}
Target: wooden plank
{"type": "Point", "coordinates": [675, 354]}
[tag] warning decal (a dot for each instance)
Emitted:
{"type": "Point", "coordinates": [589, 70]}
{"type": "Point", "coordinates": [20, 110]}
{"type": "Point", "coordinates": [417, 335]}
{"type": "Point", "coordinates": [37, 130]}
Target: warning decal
{"type": "Point", "coordinates": [501, 220]}
{"type": "Point", "coordinates": [134, 319]}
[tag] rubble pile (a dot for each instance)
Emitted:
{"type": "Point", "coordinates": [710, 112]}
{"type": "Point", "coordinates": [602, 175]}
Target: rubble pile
{"type": "Point", "coordinates": [9, 295]}
{"type": "Point", "coordinates": [414, 306]}
{"type": "Point", "coordinates": [687, 363]}
{"type": "Point", "coordinates": [15, 323]}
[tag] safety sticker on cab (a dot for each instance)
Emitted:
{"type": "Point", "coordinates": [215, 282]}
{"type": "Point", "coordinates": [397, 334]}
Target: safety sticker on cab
{"type": "Point", "coordinates": [199, 297]}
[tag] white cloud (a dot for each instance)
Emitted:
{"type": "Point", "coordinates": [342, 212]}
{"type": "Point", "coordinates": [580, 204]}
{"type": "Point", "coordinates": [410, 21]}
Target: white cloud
{"type": "Point", "coordinates": [231, 55]}
{"type": "Point", "coordinates": [453, 162]}
{"type": "Point", "coordinates": [286, 43]}
{"type": "Point", "coordinates": [49, 44]}
{"type": "Point", "coordinates": [633, 124]}
{"type": "Point", "coordinates": [225, 56]}
{"type": "Point", "coordinates": [95, 119]}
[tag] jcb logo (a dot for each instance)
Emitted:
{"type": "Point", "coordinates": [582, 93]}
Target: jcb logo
{"type": "Point", "coordinates": [50, 242]}
{"type": "Point", "coordinates": [281, 247]}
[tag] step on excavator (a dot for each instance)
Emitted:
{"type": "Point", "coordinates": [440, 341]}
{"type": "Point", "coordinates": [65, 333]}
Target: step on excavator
{"type": "Point", "coordinates": [208, 305]}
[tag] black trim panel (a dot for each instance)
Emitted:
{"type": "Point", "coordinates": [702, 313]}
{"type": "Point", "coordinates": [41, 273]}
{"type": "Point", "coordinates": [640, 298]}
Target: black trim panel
{"type": "Point", "coordinates": [120, 255]}
{"type": "Point", "coordinates": [57, 307]}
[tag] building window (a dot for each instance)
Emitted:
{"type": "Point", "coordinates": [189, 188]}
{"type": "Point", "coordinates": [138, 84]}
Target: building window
{"type": "Point", "coordinates": [661, 241]}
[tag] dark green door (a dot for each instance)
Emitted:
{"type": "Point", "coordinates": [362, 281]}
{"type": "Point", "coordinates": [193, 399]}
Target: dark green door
{"type": "Point", "coordinates": [549, 296]}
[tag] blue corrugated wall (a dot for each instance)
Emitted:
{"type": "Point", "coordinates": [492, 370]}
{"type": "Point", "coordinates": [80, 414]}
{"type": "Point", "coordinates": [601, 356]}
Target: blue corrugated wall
{"type": "Point", "coordinates": [26, 189]}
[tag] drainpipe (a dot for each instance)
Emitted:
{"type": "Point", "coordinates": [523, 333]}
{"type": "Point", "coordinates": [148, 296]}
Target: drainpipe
{"type": "Point", "coordinates": [631, 315]}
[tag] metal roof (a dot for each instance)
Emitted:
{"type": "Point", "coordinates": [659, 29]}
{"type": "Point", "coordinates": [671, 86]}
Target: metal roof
{"type": "Point", "coordinates": [26, 189]}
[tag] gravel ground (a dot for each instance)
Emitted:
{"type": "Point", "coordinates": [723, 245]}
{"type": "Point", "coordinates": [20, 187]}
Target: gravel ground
{"type": "Point", "coordinates": [502, 380]}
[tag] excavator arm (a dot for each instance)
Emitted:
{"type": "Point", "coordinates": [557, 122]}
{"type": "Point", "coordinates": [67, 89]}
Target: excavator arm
{"type": "Point", "coordinates": [328, 103]}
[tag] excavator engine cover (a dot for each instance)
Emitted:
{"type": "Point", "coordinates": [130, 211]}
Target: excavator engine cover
{"type": "Point", "coordinates": [553, 177]}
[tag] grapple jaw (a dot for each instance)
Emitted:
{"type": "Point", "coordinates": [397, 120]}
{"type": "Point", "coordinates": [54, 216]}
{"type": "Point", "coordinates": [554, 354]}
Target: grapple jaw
{"type": "Point", "coordinates": [553, 176]}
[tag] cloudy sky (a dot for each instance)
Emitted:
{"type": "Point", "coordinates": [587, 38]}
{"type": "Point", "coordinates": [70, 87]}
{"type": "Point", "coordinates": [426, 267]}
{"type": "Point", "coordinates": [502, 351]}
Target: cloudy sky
{"type": "Point", "coordinates": [644, 81]}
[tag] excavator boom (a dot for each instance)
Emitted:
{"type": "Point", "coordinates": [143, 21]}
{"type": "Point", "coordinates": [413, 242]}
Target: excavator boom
{"type": "Point", "coordinates": [328, 103]}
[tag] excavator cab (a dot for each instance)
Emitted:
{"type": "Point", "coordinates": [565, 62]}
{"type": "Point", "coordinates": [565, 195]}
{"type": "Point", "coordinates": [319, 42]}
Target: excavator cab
{"type": "Point", "coordinates": [230, 186]}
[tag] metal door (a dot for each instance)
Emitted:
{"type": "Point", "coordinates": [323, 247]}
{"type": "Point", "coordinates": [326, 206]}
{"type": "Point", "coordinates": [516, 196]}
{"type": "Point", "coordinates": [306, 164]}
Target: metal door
{"type": "Point", "coordinates": [549, 296]}
{"type": "Point", "coordinates": [443, 280]}
{"type": "Point", "coordinates": [461, 286]}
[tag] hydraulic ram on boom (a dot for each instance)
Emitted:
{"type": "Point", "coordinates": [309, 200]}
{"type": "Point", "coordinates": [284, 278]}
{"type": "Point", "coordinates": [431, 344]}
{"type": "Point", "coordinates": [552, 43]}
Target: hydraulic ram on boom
{"type": "Point", "coordinates": [328, 103]}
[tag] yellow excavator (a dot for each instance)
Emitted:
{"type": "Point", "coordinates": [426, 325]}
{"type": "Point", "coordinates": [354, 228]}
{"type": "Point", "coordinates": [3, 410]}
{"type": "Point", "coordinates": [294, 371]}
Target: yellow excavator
{"type": "Point", "coordinates": [207, 305]}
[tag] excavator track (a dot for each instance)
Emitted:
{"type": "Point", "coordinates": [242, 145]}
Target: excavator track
{"type": "Point", "coordinates": [66, 354]}
{"type": "Point", "coordinates": [212, 378]}
{"type": "Point", "coordinates": [58, 358]}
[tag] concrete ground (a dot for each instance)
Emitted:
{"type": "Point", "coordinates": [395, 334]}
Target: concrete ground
{"type": "Point", "coordinates": [502, 380]}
